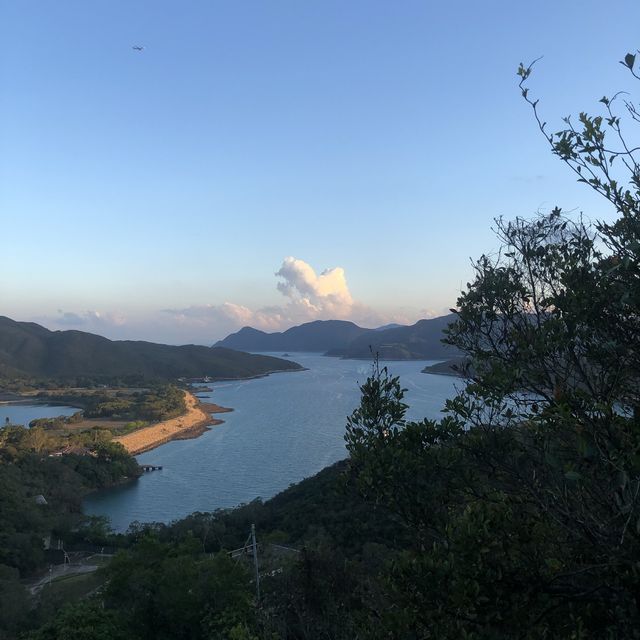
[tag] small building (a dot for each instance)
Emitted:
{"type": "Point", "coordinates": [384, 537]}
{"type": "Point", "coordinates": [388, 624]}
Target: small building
{"type": "Point", "coordinates": [74, 450]}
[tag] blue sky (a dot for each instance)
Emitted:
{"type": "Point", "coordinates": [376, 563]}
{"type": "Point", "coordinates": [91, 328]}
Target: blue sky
{"type": "Point", "coordinates": [156, 194]}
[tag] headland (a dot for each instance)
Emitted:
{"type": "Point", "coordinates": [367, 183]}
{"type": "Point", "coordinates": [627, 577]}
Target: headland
{"type": "Point", "coordinates": [194, 422]}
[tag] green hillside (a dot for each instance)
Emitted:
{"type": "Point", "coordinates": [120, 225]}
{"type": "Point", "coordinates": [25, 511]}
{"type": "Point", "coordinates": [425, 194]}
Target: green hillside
{"type": "Point", "coordinates": [451, 367]}
{"type": "Point", "coordinates": [29, 350]}
{"type": "Point", "coordinates": [421, 341]}
{"type": "Point", "coordinates": [320, 335]}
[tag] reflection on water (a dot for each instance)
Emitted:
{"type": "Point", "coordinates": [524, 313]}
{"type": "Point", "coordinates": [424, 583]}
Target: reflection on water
{"type": "Point", "coordinates": [284, 428]}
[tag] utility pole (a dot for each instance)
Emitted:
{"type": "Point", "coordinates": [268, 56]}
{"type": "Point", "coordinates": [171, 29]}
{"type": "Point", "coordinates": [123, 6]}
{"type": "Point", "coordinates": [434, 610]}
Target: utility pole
{"type": "Point", "coordinates": [255, 560]}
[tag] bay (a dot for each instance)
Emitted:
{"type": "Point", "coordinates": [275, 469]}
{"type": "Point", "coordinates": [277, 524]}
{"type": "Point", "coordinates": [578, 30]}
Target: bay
{"type": "Point", "coordinates": [284, 428]}
{"type": "Point", "coordinates": [23, 414]}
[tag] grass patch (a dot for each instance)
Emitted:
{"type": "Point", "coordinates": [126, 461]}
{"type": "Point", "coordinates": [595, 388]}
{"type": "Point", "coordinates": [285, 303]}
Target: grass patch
{"type": "Point", "coordinates": [71, 588]}
{"type": "Point", "coordinates": [98, 560]}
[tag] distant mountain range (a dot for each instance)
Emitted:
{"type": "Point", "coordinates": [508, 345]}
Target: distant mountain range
{"type": "Point", "coordinates": [29, 350]}
{"type": "Point", "coordinates": [391, 325]}
{"type": "Point", "coordinates": [320, 335]}
{"type": "Point", "coordinates": [421, 341]}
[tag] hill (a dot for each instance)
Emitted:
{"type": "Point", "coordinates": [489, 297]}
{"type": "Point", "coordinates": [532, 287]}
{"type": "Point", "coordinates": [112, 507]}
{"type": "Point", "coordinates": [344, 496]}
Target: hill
{"type": "Point", "coordinates": [451, 367]}
{"type": "Point", "coordinates": [29, 350]}
{"type": "Point", "coordinates": [347, 340]}
{"type": "Point", "coordinates": [416, 342]}
{"type": "Point", "coordinates": [391, 325]}
{"type": "Point", "coordinates": [320, 335]}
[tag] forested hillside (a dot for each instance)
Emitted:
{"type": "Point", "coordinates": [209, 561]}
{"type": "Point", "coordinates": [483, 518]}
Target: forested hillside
{"type": "Point", "coordinates": [41, 501]}
{"type": "Point", "coordinates": [320, 335]}
{"type": "Point", "coordinates": [27, 349]}
{"type": "Point", "coordinates": [421, 341]}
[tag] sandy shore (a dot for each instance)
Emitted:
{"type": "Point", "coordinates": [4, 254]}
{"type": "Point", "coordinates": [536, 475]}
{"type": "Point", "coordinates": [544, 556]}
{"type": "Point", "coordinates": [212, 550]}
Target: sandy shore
{"type": "Point", "coordinates": [191, 424]}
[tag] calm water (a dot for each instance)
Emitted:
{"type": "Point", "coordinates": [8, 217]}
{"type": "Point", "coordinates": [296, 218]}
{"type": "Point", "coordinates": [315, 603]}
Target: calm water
{"type": "Point", "coordinates": [284, 428]}
{"type": "Point", "coordinates": [25, 413]}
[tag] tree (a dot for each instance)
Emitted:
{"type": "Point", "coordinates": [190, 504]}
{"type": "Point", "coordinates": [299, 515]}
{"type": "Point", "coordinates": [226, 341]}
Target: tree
{"type": "Point", "coordinates": [600, 153]}
{"type": "Point", "coordinates": [15, 604]}
{"type": "Point", "coordinates": [174, 591]}
{"type": "Point", "coordinates": [83, 621]}
{"type": "Point", "coordinates": [524, 502]}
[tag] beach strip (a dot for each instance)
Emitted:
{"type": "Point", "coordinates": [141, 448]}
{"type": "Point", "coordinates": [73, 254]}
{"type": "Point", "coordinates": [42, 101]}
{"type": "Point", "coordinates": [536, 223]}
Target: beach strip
{"type": "Point", "coordinates": [194, 422]}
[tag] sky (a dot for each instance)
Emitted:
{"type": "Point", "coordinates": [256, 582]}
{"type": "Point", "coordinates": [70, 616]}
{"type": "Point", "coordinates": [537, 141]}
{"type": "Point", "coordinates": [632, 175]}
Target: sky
{"type": "Point", "coordinates": [272, 162]}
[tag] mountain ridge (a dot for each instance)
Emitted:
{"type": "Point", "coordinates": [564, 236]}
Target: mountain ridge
{"type": "Point", "coordinates": [28, 349]}
{"type": "Point", "coordinates": [341, 338]}
{"type": "Point", "coordinates": [318, 335]}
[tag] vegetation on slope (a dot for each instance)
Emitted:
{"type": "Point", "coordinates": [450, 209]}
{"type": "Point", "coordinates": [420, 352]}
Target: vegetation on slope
{"type": "Point", "coordinates": [320, 335]}
{"type": "Point", "coordinates": [453, 367]}
{"type": "Point", "coordinates": [129, 406]}
{"type": "Point", "coordinates": [420, 341]}
{"type": "Point", "coordinates": [29, 350]}
{"type": "Point", "coordinates": [41, 499]}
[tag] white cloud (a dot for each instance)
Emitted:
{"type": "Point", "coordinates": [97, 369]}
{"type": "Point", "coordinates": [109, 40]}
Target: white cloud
{"type": "Point", "coordinates": [313, 296]}
{"type": "Point", "coordinates": [226, 317]}
{"type": "Point", "coordinates": [307, 296]}
{"type": "Point", "coordinates": [91, 318]}
{"type": "Point", "coordinates": [69, 318]}
{"type": "Point", "coordinates": [303, 286]}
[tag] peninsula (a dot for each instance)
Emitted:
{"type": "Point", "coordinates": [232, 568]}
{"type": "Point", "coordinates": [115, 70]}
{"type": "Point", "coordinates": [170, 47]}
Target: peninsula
{"type": "Point", "coordinates": [194, 422]}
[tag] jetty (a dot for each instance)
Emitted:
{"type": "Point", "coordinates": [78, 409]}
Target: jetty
{"type": "Point", "coordinates": [151, 467]}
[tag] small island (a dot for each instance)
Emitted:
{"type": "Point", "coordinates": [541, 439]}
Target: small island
{"type": "Point", "coordinates": [452, 367]}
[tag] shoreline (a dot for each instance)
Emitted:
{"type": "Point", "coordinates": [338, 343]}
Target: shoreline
{"type": "Point", "coordinates": [256, 376]}
{"type": "Point", "coordinates": [32, 396]}
{"type": "Point", "coordinates": [191, 424]}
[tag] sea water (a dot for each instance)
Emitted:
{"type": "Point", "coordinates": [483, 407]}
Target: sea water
{"type": "Point", "coordinates": [23, 414]}
{"type": "Point", "coordinates": [284, 427]}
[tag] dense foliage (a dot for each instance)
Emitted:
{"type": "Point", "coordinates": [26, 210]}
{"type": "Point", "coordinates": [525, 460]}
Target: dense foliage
{"type": "Point", "coordinates": [523, 503]}
{"type": "Point", "coordinates": [27, 471]}
{"type": "Point", "coordinates": [160, 402]}
{"type": "Point", "coordinates": [40, 500]}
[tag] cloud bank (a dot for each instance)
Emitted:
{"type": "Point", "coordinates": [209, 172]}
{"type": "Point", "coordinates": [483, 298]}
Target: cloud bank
{"type": "Point", "coordinates": [308, 296]}
{"type": "Point", "coordinates": [91, 319]}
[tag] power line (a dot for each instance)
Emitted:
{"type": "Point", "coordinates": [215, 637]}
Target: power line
{"type": "Point", "coordinates": [255, 561]}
